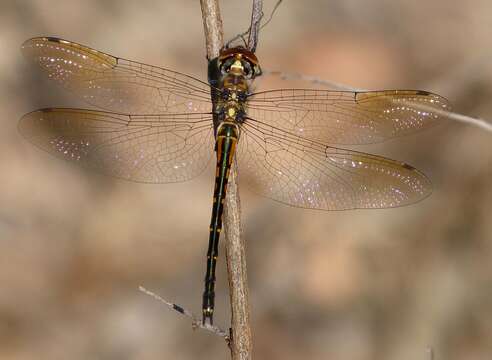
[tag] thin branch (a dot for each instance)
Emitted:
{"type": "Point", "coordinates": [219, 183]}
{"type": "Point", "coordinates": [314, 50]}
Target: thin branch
{"type": "Point", "coordinates": [196, 321]}
{"type": "Point", "coordinates": [254, 28]}
{"type": "Point", "coordinates": [257, 20]}
{"type": "Point", "coordinates": [480, 123]}
{"type": "Point", "coordinates": [241, 343]}
{"type": "Point", "coordinates": [271, 14]}
{"type": "Point", "coordinates": [242, 339]}
{"type": "Point", "coordinates": [483, 124]}
{"type": "Point", "coordinates": [312, 79]}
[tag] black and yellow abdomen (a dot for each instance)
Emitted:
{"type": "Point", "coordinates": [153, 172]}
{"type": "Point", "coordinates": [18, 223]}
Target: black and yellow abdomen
{"type": "Point", "coordinates": [225, 147]}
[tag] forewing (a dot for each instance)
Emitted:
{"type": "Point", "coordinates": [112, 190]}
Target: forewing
{"type": "Point", "coordinates": [298, 172]}
{"type": "Point", "coordinates": [345, 117]}
{"type": "Point", "coordinates": [116, 84]}
{"type": "Point", "coordinates": [142, 148]}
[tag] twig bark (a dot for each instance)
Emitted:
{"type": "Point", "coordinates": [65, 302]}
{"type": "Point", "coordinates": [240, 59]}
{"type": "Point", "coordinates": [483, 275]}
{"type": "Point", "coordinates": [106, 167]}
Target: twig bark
{"type": "Point", "coordinates": [212, 26]}
{"type": "Point", "coordinates": [241, 337]}
{"type": "Point", "coordinates": [254, 28]}
{"type": "Point", "coordinates": [196, 321]}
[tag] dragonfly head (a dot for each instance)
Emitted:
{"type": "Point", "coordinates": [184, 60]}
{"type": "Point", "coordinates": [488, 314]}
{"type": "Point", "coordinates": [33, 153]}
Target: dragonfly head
{"type": "Point", "coordinates": [239, 61]}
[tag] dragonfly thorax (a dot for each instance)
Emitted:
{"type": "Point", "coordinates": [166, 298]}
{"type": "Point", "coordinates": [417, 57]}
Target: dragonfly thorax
{"type": "Point", "coordinates": [230, 74]}
{"type": "Point", "coordinates": [231, 110]}
{"type": "Point", "coordinates": [234, 85]}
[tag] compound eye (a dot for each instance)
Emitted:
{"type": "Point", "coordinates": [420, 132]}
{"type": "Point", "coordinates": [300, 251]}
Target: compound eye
{"type": "Point", "coordinates": [226, 66]}
{"type": "Point", "coordinates": [248, 71]}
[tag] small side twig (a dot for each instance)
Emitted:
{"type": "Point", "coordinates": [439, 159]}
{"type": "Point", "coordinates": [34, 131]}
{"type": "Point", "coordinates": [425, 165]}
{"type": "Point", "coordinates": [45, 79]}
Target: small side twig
{"type": "Point", "coordinates": [254, 29]}
{"type": "Point", "coordinates": [447, 114]}
{"type": "Point", "coordinates": [195, 320]}
{"type": "Point", "coordinates": [256, 21]}
{"type": "Point", "coordinates": [312, 79]}
{"type": "Point", "coordinates": [482, 124]}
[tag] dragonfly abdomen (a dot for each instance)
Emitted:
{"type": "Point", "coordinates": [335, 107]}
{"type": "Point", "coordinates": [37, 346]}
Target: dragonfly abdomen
{"type": "Point", "coordinates": [227, 137]}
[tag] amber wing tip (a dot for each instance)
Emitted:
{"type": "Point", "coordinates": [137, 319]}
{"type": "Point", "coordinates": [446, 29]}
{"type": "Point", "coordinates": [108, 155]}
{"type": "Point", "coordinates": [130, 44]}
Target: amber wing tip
{"type": "Point", "coordinates": [423, 93]}
{"type": "Point", "coordinates": [38, 39]}
{"type": "Point", "coordinates": [52, 39]}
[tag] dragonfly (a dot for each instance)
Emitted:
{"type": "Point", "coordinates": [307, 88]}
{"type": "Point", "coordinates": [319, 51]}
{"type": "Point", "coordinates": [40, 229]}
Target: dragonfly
{"type": "Point", "coordinates": [156, 125]}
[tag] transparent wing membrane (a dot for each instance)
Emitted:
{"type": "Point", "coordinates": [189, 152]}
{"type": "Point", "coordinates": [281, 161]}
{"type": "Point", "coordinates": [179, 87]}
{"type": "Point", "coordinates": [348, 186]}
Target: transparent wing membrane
{"type": "Point", "coordinates": [345, 117]}
{"type": "Point", "coordinates": [160, 129]}
{"type": "Point", "coordinates": [116, 84]}
{"type": "Point", "coordinates": [142, 148]}
{"type": "Point", "coordinates": [303, 173]}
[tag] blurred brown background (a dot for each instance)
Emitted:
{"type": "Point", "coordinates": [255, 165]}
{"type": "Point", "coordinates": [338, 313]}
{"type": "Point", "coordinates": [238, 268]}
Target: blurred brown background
{"type": "Point", "coordinates": [355, 285]}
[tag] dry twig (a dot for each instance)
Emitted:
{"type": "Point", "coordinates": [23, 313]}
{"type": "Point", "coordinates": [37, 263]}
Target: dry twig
{"type": "Point", "coordinates": [241, 343]}
{"type": "Point", "coordinates": [256, 16]}
{"type": "Point", "coordinates": [196, 321]}
{"type": "Point", "coordinates": [448, 114]}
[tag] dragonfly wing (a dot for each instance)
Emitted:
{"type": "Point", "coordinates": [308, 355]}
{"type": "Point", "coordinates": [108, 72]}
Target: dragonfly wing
{"type": "Point", "coordinates": [303, 173]}
{"type": "Point", "coordinates": [345, 117]}
{"type": "Point", "coordinates": [116, 84]}
{"type": "Point", "coordinates": [142, 148]}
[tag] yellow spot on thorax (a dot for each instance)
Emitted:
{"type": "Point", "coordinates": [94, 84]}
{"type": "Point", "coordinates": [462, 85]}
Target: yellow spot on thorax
{"type": "Point", "coordinates": [237, 66]}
